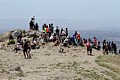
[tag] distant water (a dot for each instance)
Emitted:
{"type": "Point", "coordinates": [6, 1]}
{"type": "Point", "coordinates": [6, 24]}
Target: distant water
{"type": "Point", "coordinates": [87, 28]}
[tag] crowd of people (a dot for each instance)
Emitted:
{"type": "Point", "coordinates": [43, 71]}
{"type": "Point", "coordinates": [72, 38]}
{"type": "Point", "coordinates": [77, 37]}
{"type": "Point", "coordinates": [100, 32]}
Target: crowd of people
{"type": "Point", "coordinates": [60, 37]}
{"type": "Point", "coordinates": [109, 47]}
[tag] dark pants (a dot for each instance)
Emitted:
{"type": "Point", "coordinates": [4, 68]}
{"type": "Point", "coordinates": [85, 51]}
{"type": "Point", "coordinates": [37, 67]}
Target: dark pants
{"type": "Point", "coordinates": [16, 49]}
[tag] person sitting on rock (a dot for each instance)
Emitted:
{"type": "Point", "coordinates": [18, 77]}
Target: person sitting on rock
{"type": "Point", "coordinates": [19, 38]}
{"type": "Point", "coordinates": [61, 47]}
{"type": "Point", "coordinates": [65, 43]}
{"type": "Point", "coordinates": [51, 39]}
{"type": "Point", "coordinates": [11, 38]}
{"type": "Point", "coordinates": [36, 27]}
{"type": "Point", "coordinates": [17, 47]}
{"type": "Point", "coordinates": [34, 43]}
{"type": "Point", "coordinates": [57, 42]}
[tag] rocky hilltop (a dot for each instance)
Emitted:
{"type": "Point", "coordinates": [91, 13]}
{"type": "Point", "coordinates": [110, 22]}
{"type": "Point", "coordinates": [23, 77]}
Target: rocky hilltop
{"type": "Point", "coordinates": [48, 63]}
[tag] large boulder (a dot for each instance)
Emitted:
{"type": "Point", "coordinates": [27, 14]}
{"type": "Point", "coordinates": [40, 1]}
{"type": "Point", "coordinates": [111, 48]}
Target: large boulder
{"type": "Point", "coordinates": [16, 33]}
{"type": "Point", "coordinates": [15, 67]}
{"type": "Point", "coordinates": [32, 33]}
{"type": "Point", "coordinates": [4, 36]}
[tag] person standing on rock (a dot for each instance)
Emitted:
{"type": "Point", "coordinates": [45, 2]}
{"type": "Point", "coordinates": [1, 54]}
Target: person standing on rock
{"type": "Point", "coordinates": [31, 24]}
{"type": "Point", "coordinates": [36, 27]}
{"type": "Point", "coordinates": [66, 32]}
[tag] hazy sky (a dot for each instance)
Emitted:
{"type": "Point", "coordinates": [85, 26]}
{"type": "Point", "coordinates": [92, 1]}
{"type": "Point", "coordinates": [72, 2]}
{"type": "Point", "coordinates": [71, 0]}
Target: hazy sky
{"type": "Point", "coordinates": [60, 9]}
{"type": "Point", "coordinates": [75, 14]}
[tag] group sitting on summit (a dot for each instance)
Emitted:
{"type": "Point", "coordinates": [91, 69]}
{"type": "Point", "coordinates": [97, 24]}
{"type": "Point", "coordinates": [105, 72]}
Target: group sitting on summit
{"type": "Point", "coordinates": [60, 37]}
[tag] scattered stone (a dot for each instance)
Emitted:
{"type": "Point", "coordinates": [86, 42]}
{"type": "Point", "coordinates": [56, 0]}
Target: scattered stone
{"type": "Point", "coordinates": [16, 67]}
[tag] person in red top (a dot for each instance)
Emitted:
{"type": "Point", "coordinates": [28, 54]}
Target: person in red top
{"type": "Point", "coordinates": [88, 47]}
{"type": "Point", "coordinates": [47, 30]}
{"type": "Point", "coordinates": [78, 38]}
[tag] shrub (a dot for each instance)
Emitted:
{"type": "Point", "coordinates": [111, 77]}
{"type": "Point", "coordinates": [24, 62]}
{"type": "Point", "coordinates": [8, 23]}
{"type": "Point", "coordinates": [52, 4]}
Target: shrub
{"type": "Point", "coordinates": [11, 42]}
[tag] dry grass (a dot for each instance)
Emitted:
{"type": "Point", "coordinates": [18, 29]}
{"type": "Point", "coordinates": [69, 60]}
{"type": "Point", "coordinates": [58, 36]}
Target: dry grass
{"type": "Point", "coordinates": [75, 67]}
{"type": "Point", "coordinates": [111, 62]}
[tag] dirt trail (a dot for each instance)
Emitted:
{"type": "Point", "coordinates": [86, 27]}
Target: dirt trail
{"type": "Point", "coordinates": [49, 64]}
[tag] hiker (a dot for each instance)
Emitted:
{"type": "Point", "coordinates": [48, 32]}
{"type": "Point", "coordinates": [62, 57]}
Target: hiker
{"type": "Point", "coordinates": [33, 19]}
{"type": "Point", "coordinates": [36, 27]}
{"type": "Point", "coordinates": [69, 41]}
{"type": "Point", "coordinates": [29, 49]}
{"type": "Point", "coordinates": [95, 42]}
{"type": "Point", "coordinates": [112, 47]}
{"type": "Point", "coordinates": [51, 39]}
{"type": "Point", "coordinates": [19, 38]}
{"type": "Point", "coordinates": [78, 38]}
{"type": "Point", "coordinates": [51, 28]}
{"type": "Point", "coordinates": [34, 36]}
{"type": "Point", "coordinates": [31, 24]}
{"type": "Point", "coordinates": [66, 32]}
{"type": "Point", "coordinates": [104, 45]}
{"type": "Point", "coordinates": [75, 34]}
{"type": "Point", "coordinates": [61, 31]}
{"type": "Point", "coordinates": [34, 43]}
{"type": "Point", "coordinates": [88, 47]}
{"type": "Point", "coordinates": [106, 48]}
{"type": "Point", "coordinates": [85, 41]}
{"type": "Point", "coordinates": [98, 45]}
{"type": "Point", "coordinates": [115, 48]}
{"type": "Point", "coordinates": [41, 41]}
{"type": "Point", "coordinates": [43, 27]}
{"type": "Point", "coordinates": [57, 42]}
{"type": "Point", "coordinates": [91, 44]}
{"type": "Point", "coordinates": [109, 47]}
{"type": "Point", "coordinates": [11, 38]}
{"type": "Point", "coordinates": [72, 39]}
{"type": "Point", "coordinates": [57, 30]}
{"type": "Point", "coordinates": [17, 47]}
{"type": "Point", "coordinates": [25, 49]}
{"type": "Point", "coordinates": [61, 47]}
{"type": "Point", "coordinates": [47, 30]}
{"type": "Point", "coordinates": [81, 43]}
{"type": "Point", "coordinates": [65, 43]}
